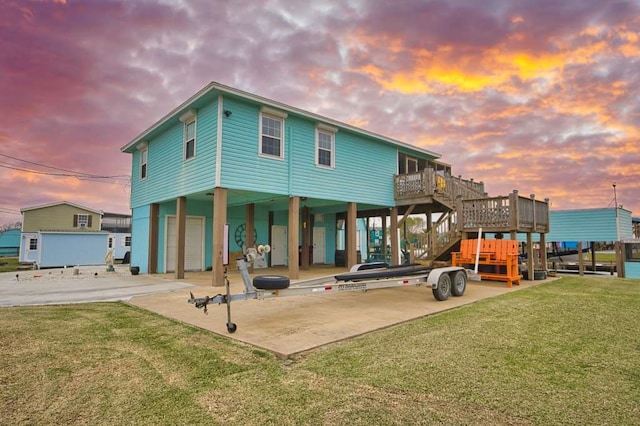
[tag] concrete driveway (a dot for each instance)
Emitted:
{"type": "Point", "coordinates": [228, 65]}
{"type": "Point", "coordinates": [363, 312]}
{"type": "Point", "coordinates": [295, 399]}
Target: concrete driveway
{"type": "Point", "coordinates": [86, 284]}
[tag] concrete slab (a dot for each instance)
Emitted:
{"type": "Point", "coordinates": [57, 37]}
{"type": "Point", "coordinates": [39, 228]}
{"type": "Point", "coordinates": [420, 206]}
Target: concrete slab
{"type": "Point", "coordinates": [290, 325]}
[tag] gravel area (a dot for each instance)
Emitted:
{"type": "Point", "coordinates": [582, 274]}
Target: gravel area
{"type": "Point", "coordinates": [71, 273]}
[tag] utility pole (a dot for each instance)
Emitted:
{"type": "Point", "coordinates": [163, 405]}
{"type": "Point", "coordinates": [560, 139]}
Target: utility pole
{"type": "Point", "coordinates": [615, 201]}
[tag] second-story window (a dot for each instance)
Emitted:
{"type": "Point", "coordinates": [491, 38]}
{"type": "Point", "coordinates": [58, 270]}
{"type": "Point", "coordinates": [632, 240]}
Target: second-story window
{"type": "Point", "coordinates": [271, 136]}
{"type": "Point", "coordinates": [324, 148]}
{"type": "Point", "coordinates": [190, 139]}
{"type": "Point", "coordinates": [143, 163]}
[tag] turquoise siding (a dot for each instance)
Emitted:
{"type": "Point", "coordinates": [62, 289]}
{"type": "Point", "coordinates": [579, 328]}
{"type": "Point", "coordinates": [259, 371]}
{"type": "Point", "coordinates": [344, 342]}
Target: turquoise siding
{"type": "Point", "coordinates": [10, 243]}
{"type": "Point", "coordinates": [589, 225]}
{"type": "Point", "coordinates": [168, 175]}
{"type": "Point", "coordinates": [140, 238]}
{"type": "Point", "coordinates": [367, 165]}
{"type": "Point", "coordinates": [632, 269]}
{"type": "Point", "coordinates": [585, 225]}
{"type": "Point", "coordinates": [242, 167]}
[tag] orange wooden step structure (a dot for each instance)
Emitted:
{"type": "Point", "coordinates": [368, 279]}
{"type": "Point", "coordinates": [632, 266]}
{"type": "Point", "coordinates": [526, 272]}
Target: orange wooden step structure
{"type": "Point", "coordinates": [502, 255]}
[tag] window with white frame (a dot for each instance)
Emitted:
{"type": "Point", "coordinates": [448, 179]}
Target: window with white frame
{"type": "Point", "coordinates": [190, 139]}
{"type": "Point", "coordinates": [143, 163]}
{"type": "Point", "coordinates": [127, 241]}
{"type": "Point", "coordinates": [33, 244]}
{"type": "Point", "coordinates": [271, 140]}
{"type": "Point", "coordinates": [83, 220]}
{"type": "Point", "coordinates": [325, 152]}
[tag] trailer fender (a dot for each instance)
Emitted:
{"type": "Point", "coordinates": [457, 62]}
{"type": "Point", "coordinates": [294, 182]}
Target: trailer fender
{"type": "Point", "coordinates": [434, 275]}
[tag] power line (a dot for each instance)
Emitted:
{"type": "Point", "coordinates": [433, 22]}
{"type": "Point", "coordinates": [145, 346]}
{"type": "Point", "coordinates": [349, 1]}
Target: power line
{"type": "Point", "coordinates": [70, 173]}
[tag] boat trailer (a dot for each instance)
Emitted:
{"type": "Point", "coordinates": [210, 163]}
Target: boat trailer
{"type": "Point", "coordinates": [444, 282]}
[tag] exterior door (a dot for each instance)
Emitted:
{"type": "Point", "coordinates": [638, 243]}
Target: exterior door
{"type": "Point", "coordinates": [194, 244]}
{"type": "Point", "coordinates": [319, 245]}
{"type": "Point", "coordinates": [278, 245]}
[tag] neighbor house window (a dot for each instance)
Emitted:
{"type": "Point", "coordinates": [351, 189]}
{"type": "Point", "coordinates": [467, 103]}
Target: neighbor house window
{"type": "Point", "coordinates": [143, 163]}
{"type": "Point", "coordinates": [127, 241]}
{"type": "Point", "coordinates": [83, 221]}
{"type": "Point", "coordinates": [190, 139]}
{"type": "Point", "coordinates": [33, 244]}
{"type": "Point", "coordinates": [325, 150]}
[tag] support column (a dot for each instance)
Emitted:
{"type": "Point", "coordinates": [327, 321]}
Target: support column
{"type": "Point", "coordinates": [181, 232]}
{"type": "Point", "coordinates": [580, 259]}
{"type": "Point", "coordinates": [543, 252]}
{"type": "Point", "coordinates": [249, 219]}
{"type": "Point", "coordinates": [219, 220]}
{"type": "Point", "coordinates": [306, 230]}
{"type": "Point", "coordinates": [384, 237]}
{"type": "Point", "coordinates": [395, 249]}
{"type": "Point", "coordinates": [530, 260]}
{"type": "Point", "coordinates": [294, 236]}
{"type": "Point", "coordinates": [352, 254]}
{"type": "Point", "coordinates": [154, 218]}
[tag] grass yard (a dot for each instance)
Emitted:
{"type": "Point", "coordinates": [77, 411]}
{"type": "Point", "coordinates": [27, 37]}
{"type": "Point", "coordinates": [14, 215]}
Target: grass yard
{"type": "Point", "coordinates": [565, 352]}
{"type": "Point", "coordinates": [9, 264]}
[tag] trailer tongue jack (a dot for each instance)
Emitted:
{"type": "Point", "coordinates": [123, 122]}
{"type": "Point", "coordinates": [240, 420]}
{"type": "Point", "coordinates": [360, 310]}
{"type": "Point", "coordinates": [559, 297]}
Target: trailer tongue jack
{"type": "Point", "coordinates": [444, 282]}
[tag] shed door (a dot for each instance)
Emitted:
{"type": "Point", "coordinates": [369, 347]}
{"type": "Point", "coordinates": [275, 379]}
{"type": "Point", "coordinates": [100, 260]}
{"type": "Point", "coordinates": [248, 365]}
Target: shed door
{"type": "Point", "coordinates": [194, 244]}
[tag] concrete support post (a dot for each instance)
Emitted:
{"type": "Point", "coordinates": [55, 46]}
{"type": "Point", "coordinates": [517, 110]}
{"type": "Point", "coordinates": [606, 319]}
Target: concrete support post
{"type": "Point", "coordinates": [219, 220]}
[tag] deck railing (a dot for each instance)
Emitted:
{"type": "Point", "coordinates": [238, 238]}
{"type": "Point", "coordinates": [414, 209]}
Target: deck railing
{"type": "Point", "coordinates": [504, 214]}
{"type": "Point", "coordinates": [429, 183]}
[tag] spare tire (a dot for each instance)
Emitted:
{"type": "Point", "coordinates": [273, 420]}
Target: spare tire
{"type": "Point", "coordinates": [271, 282]}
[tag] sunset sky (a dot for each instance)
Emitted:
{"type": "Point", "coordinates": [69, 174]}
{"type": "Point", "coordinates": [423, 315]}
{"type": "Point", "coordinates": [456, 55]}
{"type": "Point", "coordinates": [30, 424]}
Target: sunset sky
{"type": "Point", "coordinates": [542, 96]}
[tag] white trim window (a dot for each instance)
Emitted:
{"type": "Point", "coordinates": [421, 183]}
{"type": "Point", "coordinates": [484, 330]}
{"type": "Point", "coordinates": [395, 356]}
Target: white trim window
{"type": "Point", "coordinates": [33, 244]}
{"type": "Point", "coordinates": [83, 221]}
{"type": "Point", "coordinates": [271, 136]}
{"type": "Point", "coordinates": [144, 155]}
{"type": "Point", "coordinates": [190, 139]}
{"type": "Point", "coordinates": [325, 148]}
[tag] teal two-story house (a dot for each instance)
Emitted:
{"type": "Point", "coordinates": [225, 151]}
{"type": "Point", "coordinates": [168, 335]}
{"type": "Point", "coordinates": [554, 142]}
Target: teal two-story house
{"type": "Point", "coordinates": [276, 174]}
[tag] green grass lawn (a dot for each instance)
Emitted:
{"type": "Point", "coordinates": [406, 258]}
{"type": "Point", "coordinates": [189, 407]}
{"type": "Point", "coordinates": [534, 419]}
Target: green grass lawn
{"type": "Point", "coordinates": [565, 352]}
{"type": "Point", "coordinates": [9, 264]}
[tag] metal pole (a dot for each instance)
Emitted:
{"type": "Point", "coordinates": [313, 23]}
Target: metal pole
{"type": "Point", "coordinates": [615, 200]}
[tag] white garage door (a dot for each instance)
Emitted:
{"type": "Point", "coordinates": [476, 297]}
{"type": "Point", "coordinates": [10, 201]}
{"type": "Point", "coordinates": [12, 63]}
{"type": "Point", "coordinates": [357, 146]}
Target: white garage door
{"type": "Point", "coordinates": [194, 244]}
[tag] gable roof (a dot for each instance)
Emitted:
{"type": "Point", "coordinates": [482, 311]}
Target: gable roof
{"type": "Point", "coordinates": [212, 88]}
{"type": "Point", "coordinates": [59, 203]}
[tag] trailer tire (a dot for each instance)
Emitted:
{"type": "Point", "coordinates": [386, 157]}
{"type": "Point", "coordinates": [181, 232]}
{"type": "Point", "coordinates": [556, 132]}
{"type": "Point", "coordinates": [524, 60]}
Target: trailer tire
{"type": "Point", "coordinates": [443, 291]}
{"type": "Point", "coordinates": [459, 283]}
{"type": "Point", "coordinates": [271, 282]}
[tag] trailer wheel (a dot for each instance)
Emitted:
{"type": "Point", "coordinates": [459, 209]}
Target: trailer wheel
{"type": "Point", "coordinates": [443, 290]}
{"type": "Point", "coordinates": [231, 327]}
{"type": "Point", "coordinates": [459, 283]}
{"type": "Point", "coordinates": [271, 282]}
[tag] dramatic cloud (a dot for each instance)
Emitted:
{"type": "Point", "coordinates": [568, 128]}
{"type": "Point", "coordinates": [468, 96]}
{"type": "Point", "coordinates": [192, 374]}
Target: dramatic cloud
{"type": "Point", "coordinates": [538, 95]}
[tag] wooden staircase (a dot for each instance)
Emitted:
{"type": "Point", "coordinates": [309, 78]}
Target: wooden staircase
{"type": "Point", "coordinates": [464, 209]}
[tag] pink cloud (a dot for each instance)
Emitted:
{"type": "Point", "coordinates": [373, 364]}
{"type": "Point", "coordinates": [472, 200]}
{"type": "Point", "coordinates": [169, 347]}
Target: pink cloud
{"type": "Point", "coordinates": [541, 96]}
